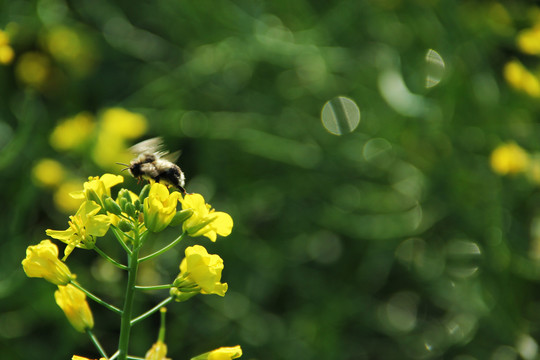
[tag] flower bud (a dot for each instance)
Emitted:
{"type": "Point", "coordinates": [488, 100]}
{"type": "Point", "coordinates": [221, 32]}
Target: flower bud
{"type": "Point", "coordinates": [223, 353]}
{"type": "Point", "coordinates": [181, 216]}
{"type": "Point", "coordinates": [125, 226]}
{"type": "Point", "coordinates": [130, 210]}
{"type": "Point", "coordinates": [112, 207]}
{"type": "Point", "coordinates": [144, 192]}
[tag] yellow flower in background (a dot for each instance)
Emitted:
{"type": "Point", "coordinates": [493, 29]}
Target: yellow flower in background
{"type": "Point", "coordinates": [521, 79]}
{"type": "Point", "coordinates": [62, 198]}
{"type": "Point", "coordinates": [528, 40]}
{"type": "Point", "coordinates": [98, 188]}
{"type": "Point", "coordinates": [223, 353]}
{"type": "Point", "coordinates": [123, 123]}
{"type": "Point", "coordinates": [33, 69]}
{"type": "Point", "coordinates": [159, 207]}
{"type": "Point", "coordinates": [6, 51]}
{"type": "Point", "coordinates": [199, 271]}
{"type": "Point", "coordinates": [48, 172]}
{"type": "Point", "coordinates": [158, 351]}
{"type": "Point", "coordinates": [42, 262]}
{"type": "Point", "coordinates": [205, 221]}
{"type": "Point", "coordinates": [77, 357]}
{"type": "Point", "coordinates": [84, 227]}
{"type": "Point", "coordinates": [73, 132]}
{"type": "Point", "coordinates": [509, 159]}
{"type": "Point", "coordinates": [73, 302]}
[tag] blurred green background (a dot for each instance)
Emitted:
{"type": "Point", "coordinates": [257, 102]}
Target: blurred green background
{"type": "Point", "coordinates": [414, 235]}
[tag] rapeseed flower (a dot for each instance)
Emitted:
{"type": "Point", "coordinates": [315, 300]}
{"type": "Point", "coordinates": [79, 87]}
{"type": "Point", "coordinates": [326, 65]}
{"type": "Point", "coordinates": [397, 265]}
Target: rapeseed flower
{"type": "Point", "coordinates": [159, 207]}
{"type": "Point", "coordinates": [223, 353]}
{"type": "Point", "coordinates": [98, 188]}
{"type": "Point", "coordinates": [199, 272]}
{"type": "Point", "coordinates": [83, 229]}
{"type": "Point", "coordinates": [72, 133]}
{"type": "Point", "coordinates": [42, 262]}
{"type": "Point", "coordinates": [158, 351]}
{"type": "Point", "coordinates": [205, 221]}
{"type": "Point", "coordinates": [73, 302]}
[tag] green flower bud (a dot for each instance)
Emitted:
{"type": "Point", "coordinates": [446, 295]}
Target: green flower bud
{"type": "Point", "coordinates": [125, 226]}
{"type": "Point", "coordinates": [144, 192]}
{"type": "Point", "coordinates": [138, 205]}
{"type": "Point", "coordinates": [181, 216]}
{"type": "Point", "coordinates": [124, 193]}
{"type": "Point", "coordinates": [130, 210]}
{"type": "Point", "coordinates": [112, 207]}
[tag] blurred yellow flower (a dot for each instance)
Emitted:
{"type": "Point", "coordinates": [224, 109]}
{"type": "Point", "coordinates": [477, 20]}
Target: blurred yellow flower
{"type": "Point", "coordinates": [84, 227]}
{"type": "Point", "coordinates": [62, 198]}
{"type": "Point", "coordinates": [509, 158]}
{"type": "Point", "coordinates": [159, 207]}
{"type": "Point", "coordinates": [33, 69]}
{"type": "Point", "coordinates": [73, 302]}
{"type": "Point", "coordinates": [158, 351]}
{"type": "Point", "coordinates": [73, 132]}
{"type": "Point", "coordinates": [109, 150]}
{"type": "Point", "coordinates": [6, 52]}
{"type": "Point", "coordinates": [223, 353]}
{"type": "Point", "coordinates": [205, 221]}
{"type": "Point", "coordinates": [77, 357]}
{"type": "Point", "coordinates": [199, 271]}
{"type": "Point", "coordinates": [48, 172]}
{"type": "Point", "coordinates": [521, 79]}
{"type": "Point", "coordinates": [528, 40]}
{"type": "Point", "coordinates": [123, 123]}
{"type": "Point", "coordinates": [42, 262]}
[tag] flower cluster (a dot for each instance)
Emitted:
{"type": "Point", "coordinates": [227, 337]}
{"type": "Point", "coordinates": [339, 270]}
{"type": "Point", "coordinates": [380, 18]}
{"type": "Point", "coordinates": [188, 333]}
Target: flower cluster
{"type": "Point", "coordinates": [132, 218]}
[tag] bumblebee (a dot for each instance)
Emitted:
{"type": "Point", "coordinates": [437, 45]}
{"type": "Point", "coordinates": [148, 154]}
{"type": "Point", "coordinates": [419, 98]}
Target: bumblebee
{"type": "Point", "coordinates": [152, 161]}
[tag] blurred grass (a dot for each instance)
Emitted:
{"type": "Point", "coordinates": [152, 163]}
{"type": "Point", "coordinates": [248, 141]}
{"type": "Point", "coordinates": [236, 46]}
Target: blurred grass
{"type": "Point", "coordinates": [396, 240]}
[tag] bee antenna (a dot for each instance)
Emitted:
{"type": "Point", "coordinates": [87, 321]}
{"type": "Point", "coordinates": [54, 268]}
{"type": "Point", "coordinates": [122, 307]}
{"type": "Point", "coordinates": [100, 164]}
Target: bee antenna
{"type": "Point", "coordinates": [124, 169]}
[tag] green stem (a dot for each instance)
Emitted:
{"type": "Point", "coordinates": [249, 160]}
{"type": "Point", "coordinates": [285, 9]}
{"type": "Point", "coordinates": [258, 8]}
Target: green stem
{"type": "Point", "coordinates": [125, 322]}
{"type": "Point", "coordinates": [96, 299]}
{"type": "Point", "coordinates": [152, 310]}
{"type": "Point", "coordinates": [96, 343]}
{"type": "Point", "coordinates": [109, 259]}
{"type": "Point", "coordinates": [154, 287]}
{"type": "Point", "coordinates": [168, 247]}
{"type": "Point", "coordinates": [118, 234]}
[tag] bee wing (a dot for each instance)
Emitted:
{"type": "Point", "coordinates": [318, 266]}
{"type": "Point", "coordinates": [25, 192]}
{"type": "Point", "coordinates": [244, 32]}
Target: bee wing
{"type": "Point", "coordinates": [150, 146]}
{"type": "Point", "coordinates": [172, 157]}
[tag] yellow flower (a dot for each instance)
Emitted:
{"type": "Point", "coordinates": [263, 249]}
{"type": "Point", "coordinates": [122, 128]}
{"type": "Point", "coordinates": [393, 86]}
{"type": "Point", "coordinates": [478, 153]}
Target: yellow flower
{"type": "Point", "coordinates": [528, 40]}
{"type": "Point", "coordinates": [42, 262]}
{"type": "Point", "coordinates": [520, 78]}
{"type": "Point", "coordinates": [223, 353]}
{"type": "Point", "coordinates": [77, 357]}
{"type": "Point", "coordinates": [509, 159]}
{"type": "Point", "coordinates": [98, 188]}
{"type": "Point", "coordinates": [199, 272]}
{"type": "Point", "coordinates": [159, 207]}
{"type": "Point", "coordinates": [6, 52]}
{"type": "Point", "coordinates": [73, 302]}
{"type": "Point", "coordinates": [84, 227]}
{"type": "Point", "coordinates": [48, 172]}
{"type": "Point", "coordinates": [158, 351]}
{"type": "Point", "coordinates": [73, 132]}
{"type": "Point", "coordinates": [205, 221]}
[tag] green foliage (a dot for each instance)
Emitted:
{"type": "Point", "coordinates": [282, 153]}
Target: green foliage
{"type": "Point", "coordinates": [394, 241]}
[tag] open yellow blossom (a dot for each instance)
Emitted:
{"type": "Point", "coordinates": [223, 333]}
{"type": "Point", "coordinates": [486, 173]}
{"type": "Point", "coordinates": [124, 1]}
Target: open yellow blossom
{"type": "Point", "coordinates": [42, 262]}
{"type": "Point", "coordinates": [205, 220]}
{"type": "Point", "coordinates": [73, 132]}
{"type": "Point", "coordinates": [73, 302]}
{"type": "Point", "coordinates": [84, 227]}
{"type": "Point", "coordinates": [158, 351]}
{"type": "Point", "coordinates": [159, 207]}
{"type": "Point", "coordinates": [98, 188]}
{"type": "Point", "coordinates": [199, 272]}
{"type": "Point", "coordinates": [509, 159]}
{"type": "Point", "coordinates": [223, 353]}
